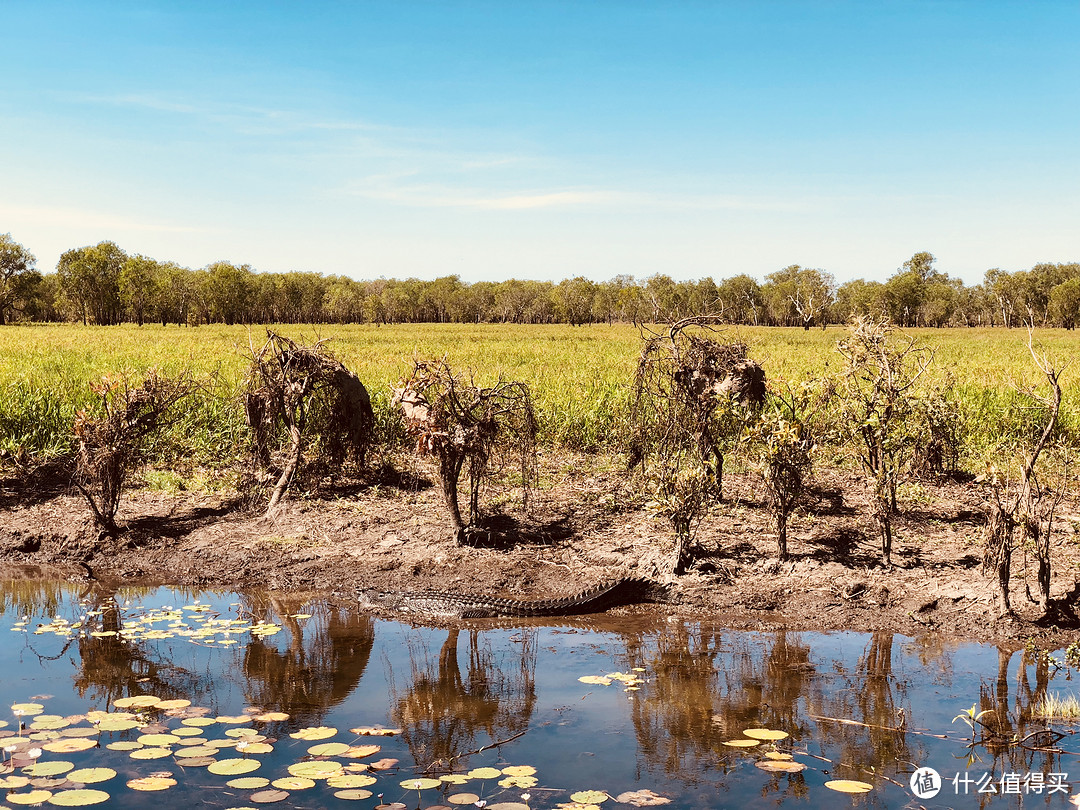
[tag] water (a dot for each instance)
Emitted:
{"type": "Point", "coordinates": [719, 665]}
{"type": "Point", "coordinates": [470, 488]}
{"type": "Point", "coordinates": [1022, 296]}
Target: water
{"type": "Point", "coordinates": [867, 707]}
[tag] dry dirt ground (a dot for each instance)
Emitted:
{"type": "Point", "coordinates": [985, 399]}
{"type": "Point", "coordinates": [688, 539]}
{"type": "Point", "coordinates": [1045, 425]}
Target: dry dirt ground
{"type": "Point", "coordinates": [586, 527]}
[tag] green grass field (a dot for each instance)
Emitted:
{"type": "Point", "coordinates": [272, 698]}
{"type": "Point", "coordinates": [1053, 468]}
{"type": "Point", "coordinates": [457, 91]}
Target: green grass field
{"type": "Point", "coordinates": [579, 376]}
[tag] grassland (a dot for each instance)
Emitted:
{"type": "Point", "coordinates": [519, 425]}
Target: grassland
{"type": "Point", "coordinates": [578, 376]}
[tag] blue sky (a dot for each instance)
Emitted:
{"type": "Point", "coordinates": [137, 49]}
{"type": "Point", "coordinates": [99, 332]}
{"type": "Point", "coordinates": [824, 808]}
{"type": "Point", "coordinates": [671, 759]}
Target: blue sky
{"type": "Point", "coordinates": [545, 139]}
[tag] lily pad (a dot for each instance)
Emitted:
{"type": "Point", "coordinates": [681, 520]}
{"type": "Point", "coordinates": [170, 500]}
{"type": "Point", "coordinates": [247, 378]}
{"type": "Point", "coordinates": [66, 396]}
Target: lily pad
{"type": "Point", "coordinates": [27, 709]}
{"type": "Point", "coordinates": [270, 717]}
{"type": "Point", "coordinates": [48, 768]}
{"type": "Point", "coordinates": [519, 770]}
{"type": "Point", "coordinates": [314, 733]}
{"type": "Point", "coordinates": [198, 721]}
{"type": "Point", "coordinates": [375, 731]}
{"type": "Point", "coordinates": [69, 745]}
{"type": "Point", "coordinates": [269, 796]}
{"type": "Point", "coordinates": [234, 767]}
{"type": "Point", "coordinates": [642, 798]}
{"type": "Point", "coordinates": [521, 782]}
{"type": "Point", "coordinates": [849, 786]}
{"type": "Point", "coordinates": [742, 743]}
{"type": "Point", "coordinates": [589, 797]}
{"type": "Point", "coordinates": [248, 782]}
{"type": "Point", "coordinates": [454, 778]}
{"type": "Point", "coordinates": [351, 780]}
{"type": "Point", "coordinates": [150, 753]}
{"type": "Point", "coordinates": [158, 740]}
{"type": "Point", "coordinates": [255, 748]}
{"type": "Point", "coordinates": [151, 783]}
{"type": "Point", "coordinates": [316, 769]}
{"type": "Point", "coordinates": [195, 751]}
{"type": "Point", "coordinates": [33, 797]}
{"type": "Point", "coordinates": [765, 734]}
{"type": "Point", "coordinates": [77, 798]}
{"type": "Point", "coordinates": [90, 776]}
{"type": "Point", "coordinates": [332, 749]}
{"type": "Point", "coordinates": [293, 783]}
{"type": "Point", "coordinates": [117, 724]}
{"type": "Point", "coordinates": [484, 773]}
{"type": "Point", "coordinates": [420, 783]}
{"type": "Point", "coordinates": [354, 795]}
{"type": "Point", "coordinates": [361, 751]}
{"type": "Point", "coordinates": [780, 766]}
{"type": "Point", "coordinates": [463, 798]}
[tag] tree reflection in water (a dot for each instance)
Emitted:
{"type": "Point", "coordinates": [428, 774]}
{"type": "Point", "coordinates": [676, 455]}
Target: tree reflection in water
{"type": "Point", "coordinates": [111, 666]}
{"type": "Point", "coordinates": [443, 713]}
{"type": "Point", "coordinates": [324, 661]}
{"type": "Point", "coordinates": [707, 687]}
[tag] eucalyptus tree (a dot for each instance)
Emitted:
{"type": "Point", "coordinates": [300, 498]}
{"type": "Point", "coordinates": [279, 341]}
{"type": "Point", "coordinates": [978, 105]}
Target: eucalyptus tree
{"type": "Point", "coordinates": [17, 274]}
{"type": "Point", "coordinates": [90, 282]}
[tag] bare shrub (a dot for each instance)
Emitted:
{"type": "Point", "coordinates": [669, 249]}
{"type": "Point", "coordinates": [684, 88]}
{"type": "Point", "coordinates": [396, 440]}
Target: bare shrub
{"type": "Point", "coordinates": [111, 444]}
{"type": "Point", "coordinates": [466, 427]}
{"type": "Point", "coordinates": [1025, 503]}
{"type": "Point", "coordinates": [690, 399]}
{"type": "Point", "coordinates": [879, 406]}
{"type": "Point", "coordinates": [295, 395]}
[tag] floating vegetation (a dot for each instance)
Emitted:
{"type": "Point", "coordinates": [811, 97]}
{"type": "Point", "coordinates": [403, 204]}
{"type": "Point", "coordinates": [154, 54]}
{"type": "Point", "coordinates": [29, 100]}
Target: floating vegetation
{"type": "Point", "coordinates": [631, 682]}
{"type": "Point", "coordinates": [849, 786]}
{"type": "Point", "coordinates": [198, 623]}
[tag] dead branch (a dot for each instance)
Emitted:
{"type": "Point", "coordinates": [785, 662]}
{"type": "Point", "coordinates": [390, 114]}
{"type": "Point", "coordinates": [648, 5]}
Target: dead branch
{"type": "Point", "coordinates": [466, 427]}
{"type": "Point", "coordinates": [110, 445]}
{"type": "Point", "coordinates": [296, 394]}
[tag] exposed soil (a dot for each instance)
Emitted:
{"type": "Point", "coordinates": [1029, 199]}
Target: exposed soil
{"type": "Point", "coordinates": [586, 527]}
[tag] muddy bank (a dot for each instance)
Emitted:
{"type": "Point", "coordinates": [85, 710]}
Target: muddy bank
{"type": "Point", "coordinates": [586, 527]}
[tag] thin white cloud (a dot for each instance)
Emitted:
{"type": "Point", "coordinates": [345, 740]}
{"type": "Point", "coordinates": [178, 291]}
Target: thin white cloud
{"type": "Point", "coordinates": [384, 188]}
{"type": "Point", "coordinates": [138, 100]}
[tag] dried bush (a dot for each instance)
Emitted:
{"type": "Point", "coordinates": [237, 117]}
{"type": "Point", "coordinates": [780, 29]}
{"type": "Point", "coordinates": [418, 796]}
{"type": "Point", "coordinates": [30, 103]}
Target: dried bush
{"type": "Point", "coordinates": [691, 398]}
{"type": "Point", "coordinates": [295, 395]}
{"type": "Point", "coordinates": [111, 444]}
{"type": "Point", "coordinates": [879, 407]}
{"type": "Point", "coordinates": [1025, 504]}
{"type": "Point", "coordinates": [465, 427]}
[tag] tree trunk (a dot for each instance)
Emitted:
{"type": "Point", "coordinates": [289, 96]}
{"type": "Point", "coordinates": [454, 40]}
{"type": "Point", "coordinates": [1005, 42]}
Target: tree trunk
{"type": "Point", "coordinates": [450, 462]}
{"type": "Point", "coordinates": [683, 557]}
{"type": "Point", "coordinates": [293, 461]}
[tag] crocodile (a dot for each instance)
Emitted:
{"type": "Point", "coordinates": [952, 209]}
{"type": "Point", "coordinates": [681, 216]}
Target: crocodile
{"type": "Point", "coordinates": [446, 605]}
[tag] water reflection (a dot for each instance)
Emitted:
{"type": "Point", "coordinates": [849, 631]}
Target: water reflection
{"type": "Point", "coordinates": [323, 662]}
{"type": "Point", "coordinates": [111, 666]}
{"type": "Point", "coordinates": [861, 706]}
{"type": "Point", "coordinates": [709, 685]}
{"type": "Point", "coordinates": [445, 713]}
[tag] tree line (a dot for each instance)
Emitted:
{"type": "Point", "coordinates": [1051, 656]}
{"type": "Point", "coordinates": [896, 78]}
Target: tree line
{"type": "Point", "coordinates": [103, 284]}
